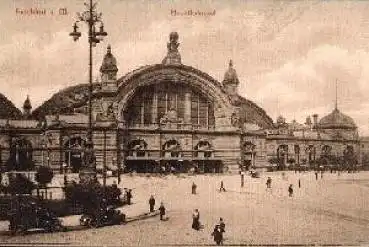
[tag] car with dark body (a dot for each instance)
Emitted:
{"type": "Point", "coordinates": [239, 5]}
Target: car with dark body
{"type": "Point", "coordinates": [32, 216]}
{"type": "Point", "coordinates": [103, 216]}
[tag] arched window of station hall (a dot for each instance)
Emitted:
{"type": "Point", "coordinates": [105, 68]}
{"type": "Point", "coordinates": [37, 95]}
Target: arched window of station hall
{"type": "Point", "coordinates": [248, 146]}
{"type": "Point", "coordinates": [349, 150]}
{"type": "Point", "coordinates": [249, 155]}
{"type": "Point", "coordinates": [21, 155]}
{"type": "Point", "coordinates": [349, 158]}
{"type": "Point", "coordinates": [203, 149]}
{"type": "Point", "coordinates": [172, 148]}
{"type": "Point", "coordinates": [326, 150]}
{"type": "Point", "coordinates": [137, 148]}
{"type": "Point", "coordinates": [166, 102]}
{"type": "Point", "coordinates": [73, 154]}
{"type": "Point", "coordinates": [282, 154]}
{"type": "Point", "coordinates": [296, 150]}
{"type": "Point", "coordinates": [311, 153]}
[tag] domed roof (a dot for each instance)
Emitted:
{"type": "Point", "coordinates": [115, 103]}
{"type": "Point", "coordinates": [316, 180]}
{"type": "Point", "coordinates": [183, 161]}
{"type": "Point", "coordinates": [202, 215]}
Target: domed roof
{"type": "Point", "coordinates": [230, 76]}
{"type": "Point", "coordinates": [337, 120]}
{"type": "Point", "coordinates": [251, 113]}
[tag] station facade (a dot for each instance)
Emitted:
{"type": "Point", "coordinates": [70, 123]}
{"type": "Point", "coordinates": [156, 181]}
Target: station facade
{"type": "Point", "coordinates": [167, 115]}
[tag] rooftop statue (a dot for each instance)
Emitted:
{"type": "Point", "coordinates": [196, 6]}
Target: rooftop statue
{"type": "Point", "coordinates": [173, 56]}
{"type": "Point", "coordinates": [109, 64]}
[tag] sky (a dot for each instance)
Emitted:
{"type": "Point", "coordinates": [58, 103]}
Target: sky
{"type": "Point", "coordinates": [289, 55]}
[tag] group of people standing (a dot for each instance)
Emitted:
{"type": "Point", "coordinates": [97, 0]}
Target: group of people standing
{"type": "Point", "coordinates": [128, 195]}
{"type": "Point", "coordinates": [161, 208]}
{"type": "Point", "coordinates": [290, 187]}
{"type": "Point", "coordinates": [219, 228]}
{"type": "Point", "coordinates": [218, 231]}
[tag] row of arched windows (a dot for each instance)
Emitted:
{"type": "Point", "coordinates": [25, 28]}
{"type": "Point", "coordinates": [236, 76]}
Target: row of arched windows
{"type": "Point", "coordinates": [170, 148]}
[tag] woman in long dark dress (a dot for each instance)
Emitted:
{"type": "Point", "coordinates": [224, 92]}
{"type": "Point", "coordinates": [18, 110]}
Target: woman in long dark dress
{"type": "Point", "coordinates": [196, 220]}
{"type": "Point", "coordinates": [217, 234]}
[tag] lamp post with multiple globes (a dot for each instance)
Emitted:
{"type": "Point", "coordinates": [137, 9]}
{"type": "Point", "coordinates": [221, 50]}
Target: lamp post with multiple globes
{"type": "Point", "coordinates": [91, 17]}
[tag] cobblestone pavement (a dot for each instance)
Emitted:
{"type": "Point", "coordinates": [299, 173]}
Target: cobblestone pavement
{"type": "Point", "coordinates": [332, 210]}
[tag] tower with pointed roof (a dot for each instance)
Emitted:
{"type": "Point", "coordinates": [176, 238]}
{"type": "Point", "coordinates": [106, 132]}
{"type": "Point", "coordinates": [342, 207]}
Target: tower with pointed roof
{"type": "Point", "coordinates": [27, 107]}
{"type": "Point", "coordinates": [230, 81]}
{"type": "Point", "coordinates": [109, 70]}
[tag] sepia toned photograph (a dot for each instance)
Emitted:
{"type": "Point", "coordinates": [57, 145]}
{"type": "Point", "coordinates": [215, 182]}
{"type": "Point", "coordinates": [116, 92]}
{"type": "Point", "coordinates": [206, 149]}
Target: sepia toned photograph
{"type": "Point", "coordinates": [184, 123]}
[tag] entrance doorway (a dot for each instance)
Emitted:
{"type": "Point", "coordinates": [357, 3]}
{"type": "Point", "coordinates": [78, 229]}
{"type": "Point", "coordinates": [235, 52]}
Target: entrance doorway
{"type": "Point", "coordinates": [20, 158]}
{"type": "Point", "coordinates": [73, 155]}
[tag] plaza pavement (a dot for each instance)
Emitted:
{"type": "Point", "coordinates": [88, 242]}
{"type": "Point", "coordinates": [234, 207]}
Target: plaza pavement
{"type": "Point", "coordinates": [332, 210]}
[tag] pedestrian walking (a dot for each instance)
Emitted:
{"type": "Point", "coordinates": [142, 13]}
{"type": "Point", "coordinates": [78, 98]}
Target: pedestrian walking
{"type": "Point", "coordinates": [152, 203]}
{"type": "Point", "coordinates": [290, 190]}
{"type": "Point", "coordinates": [242, 178]}
{"type": "Point", "coordinates": [194, 186]}
{"type": "Point", "coordinates": [222, 187]}
{"type": "Point", "coordinates": [321, 175]}
{"type": "Point", "coordinates": [196, 220]}
{"type": "Point", "coordinates": [316, 175]}
{"type": "Point", "coordinates": [217, 235]}
{"type": "Point", "coordinates": [129, 196]}
{"type": "Point", "coordinates": [221, 225]}
{"type": "Point", "coordinates": [299, 183]}
{"type": "Point", "coordinates": [269, 183]}
{"type": "Point", "coordinates": [162, 211]}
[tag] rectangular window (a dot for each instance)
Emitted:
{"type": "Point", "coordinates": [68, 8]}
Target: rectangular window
{"type": "Point", "coordinates": [194, 109]}
{"type": "Point", "coordinates": [171, 101]}
{"type": "Point", "coordinates": [203, 113]}
{"type": "Point", "coordinates": [148, 99]}
{"type": "Point", "coordinates": [161, 105]}
{"type": "Point", "coordinates": [180, 105]}
{"type": "Point", "coordinates": [136, 112]}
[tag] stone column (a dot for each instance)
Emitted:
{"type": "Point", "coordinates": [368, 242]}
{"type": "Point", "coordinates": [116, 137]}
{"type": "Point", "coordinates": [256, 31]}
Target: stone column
{"type": "Point", "coordinates": [154, 112]}
{"type": "Point", "coordinates": [187, 109]}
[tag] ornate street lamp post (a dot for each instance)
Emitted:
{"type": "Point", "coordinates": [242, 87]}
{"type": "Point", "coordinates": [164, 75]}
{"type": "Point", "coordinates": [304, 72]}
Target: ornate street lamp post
{"type": "Point", "coordinates": [91, 18]}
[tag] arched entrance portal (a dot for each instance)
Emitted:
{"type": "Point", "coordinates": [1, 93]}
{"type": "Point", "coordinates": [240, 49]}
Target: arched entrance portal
{"type": "Point", "coordinates": [282, 156]}
{"type": "Point", "coordinates": [138, 157]}
{"type": "Point", "coordinates": [20, 158]}
{"type": "Point", "coordinates": [311, 153]}
{"type": "Point", "coordinates": [249, 155]}
{"type": "Point", "coordinates": [172, 157]}
{"type": "Point", "coordinates": [73, 155]}
{"type": "Point", "coordinates": [205, 161]}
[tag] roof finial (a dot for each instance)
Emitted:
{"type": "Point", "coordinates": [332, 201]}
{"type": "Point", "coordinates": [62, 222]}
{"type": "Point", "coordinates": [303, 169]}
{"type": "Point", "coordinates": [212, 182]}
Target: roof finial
{"type": "Point", "coordinates": [27, 103]}
{"type": "Point", "coordinates": [230, 76]}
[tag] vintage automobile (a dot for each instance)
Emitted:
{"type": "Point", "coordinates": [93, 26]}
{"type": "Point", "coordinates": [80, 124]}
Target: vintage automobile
{"type": "Point", "coordinates": [33, 217]}
{"type": "Point", "coordinates": [254, 174]}
{"type": "Point", "coordinates": [103, 217]}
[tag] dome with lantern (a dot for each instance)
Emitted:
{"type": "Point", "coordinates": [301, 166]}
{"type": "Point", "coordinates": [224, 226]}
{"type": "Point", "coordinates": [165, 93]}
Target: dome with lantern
{"type": "Point", "coordinates": [230, 76]}
{"type": "Point", "coordinates": [337, 120]}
